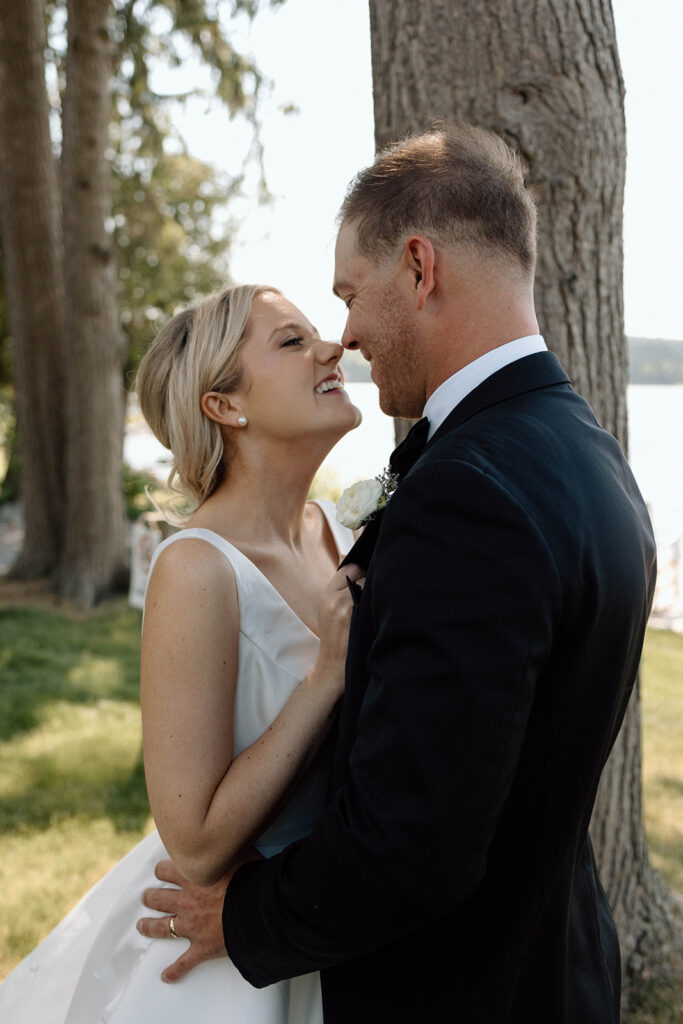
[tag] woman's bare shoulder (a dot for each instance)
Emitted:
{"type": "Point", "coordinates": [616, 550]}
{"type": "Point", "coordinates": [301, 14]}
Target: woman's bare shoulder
{"type": "Point", "coordinates": [192, 565]}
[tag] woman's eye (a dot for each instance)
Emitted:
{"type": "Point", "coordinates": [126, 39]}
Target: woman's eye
{"type": "Point", "coordinates": [292, 341]}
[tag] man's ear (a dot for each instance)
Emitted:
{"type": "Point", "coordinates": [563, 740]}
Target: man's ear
{"type": "Point", "coordinates": [419, 258]}
{"type": "Point", "coordinates": [220, 408]}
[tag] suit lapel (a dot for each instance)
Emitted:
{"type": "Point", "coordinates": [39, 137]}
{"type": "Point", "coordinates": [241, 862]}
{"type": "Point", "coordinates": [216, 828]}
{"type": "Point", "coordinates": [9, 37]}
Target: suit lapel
{"type": "Point", "coordinates": [361, 551]}
{"type": "Point", "coordinates": [530, 373]}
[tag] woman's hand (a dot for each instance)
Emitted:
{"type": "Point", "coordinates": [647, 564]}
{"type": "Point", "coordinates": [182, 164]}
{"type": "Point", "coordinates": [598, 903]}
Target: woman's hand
{"type": "Point", "coordinates": [334, 619]}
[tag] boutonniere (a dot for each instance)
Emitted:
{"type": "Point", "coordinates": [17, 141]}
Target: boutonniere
{"type": "Point", "coordinates": [363, 500]}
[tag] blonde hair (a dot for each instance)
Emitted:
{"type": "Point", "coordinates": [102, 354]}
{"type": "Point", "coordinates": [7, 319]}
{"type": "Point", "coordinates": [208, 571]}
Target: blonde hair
{"type": "Point", "coordinates": [197, 351]}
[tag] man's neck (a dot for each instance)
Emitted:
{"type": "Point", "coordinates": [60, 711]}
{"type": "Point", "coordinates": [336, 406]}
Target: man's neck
{"type": "Point", "coordinates": [469, 346]}
{"type": "Point", "coordinates": [454, 388]}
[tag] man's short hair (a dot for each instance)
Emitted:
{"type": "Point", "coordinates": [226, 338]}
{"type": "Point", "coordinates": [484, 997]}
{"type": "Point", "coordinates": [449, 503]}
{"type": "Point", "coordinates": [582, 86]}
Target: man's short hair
{"type": "Point", "coordinates": [460, 184]}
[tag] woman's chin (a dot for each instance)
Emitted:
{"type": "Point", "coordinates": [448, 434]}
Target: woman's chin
{"type": "Point", "coordinates": [355, 419]}
{"type": "Point", "coordinates": [343, 426]}
{"type": "Point", "coordinates": [359, 417]}
{"type": "Point", "coordinates": [348, 417]}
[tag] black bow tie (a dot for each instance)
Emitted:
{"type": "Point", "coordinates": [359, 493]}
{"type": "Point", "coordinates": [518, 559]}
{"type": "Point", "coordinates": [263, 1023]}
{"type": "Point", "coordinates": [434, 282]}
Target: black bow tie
{"type": "Point", "coordinates": [404, 457]}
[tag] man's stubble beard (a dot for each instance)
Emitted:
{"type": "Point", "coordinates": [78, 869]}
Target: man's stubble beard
{"type": "Point", "coordinates": [401, 385]}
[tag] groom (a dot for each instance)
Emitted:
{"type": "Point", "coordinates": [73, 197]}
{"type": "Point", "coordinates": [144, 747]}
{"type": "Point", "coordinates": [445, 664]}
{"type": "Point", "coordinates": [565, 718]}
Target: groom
{"type": "Point", "coordinates": [493, 648]}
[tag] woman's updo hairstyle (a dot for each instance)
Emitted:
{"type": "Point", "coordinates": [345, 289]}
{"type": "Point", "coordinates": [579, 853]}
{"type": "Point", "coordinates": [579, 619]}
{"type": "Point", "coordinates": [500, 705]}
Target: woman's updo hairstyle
{"type": "Point", "coordinates": [197, 351]}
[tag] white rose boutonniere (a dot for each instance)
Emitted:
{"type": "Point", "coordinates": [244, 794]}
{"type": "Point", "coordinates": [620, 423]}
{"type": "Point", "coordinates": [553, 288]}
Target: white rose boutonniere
{"type": "Point", "coordinates": [362, 500]}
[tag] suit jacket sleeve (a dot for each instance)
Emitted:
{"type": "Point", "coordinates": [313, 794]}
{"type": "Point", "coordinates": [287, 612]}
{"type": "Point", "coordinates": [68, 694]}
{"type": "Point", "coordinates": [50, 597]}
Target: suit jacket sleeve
{"type": "Point", "coordinates": [465, 597]}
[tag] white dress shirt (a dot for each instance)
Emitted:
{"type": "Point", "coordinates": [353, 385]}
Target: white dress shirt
{"type": "Point", "coordinates": [449, 394]}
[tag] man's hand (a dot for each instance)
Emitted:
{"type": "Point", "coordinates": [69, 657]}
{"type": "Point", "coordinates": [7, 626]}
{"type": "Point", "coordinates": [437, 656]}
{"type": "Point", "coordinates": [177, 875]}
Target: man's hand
{"type": "Point", "coordinates": [196, 912]}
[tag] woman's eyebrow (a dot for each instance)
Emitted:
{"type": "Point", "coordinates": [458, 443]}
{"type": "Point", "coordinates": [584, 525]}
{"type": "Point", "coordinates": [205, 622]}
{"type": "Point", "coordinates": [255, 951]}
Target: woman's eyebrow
{"type": "Point", "coordinates": [290, 325]}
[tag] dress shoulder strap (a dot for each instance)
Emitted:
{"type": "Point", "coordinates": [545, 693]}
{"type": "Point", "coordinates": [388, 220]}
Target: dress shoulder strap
{"type": "Point", "coordinates": [234, 557]}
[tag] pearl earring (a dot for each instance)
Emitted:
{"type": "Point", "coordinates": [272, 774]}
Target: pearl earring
{"type": "Point", "coordinates": [242, 421]}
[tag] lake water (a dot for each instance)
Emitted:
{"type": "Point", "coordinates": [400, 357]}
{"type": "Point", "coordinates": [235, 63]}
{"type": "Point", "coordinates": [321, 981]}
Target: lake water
{"type": "Point", "coordinates": [656, 456]}
{"type": "Point", "coordinates": [656, 453]}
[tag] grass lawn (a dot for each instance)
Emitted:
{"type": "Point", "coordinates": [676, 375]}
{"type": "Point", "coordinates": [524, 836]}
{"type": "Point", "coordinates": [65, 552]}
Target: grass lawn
{"type": "Point", "coordinates": [663, 753]}
{"type": "Point", "coordinates": [72, 792]}
{"type": "Point", "coordinates": [662, 692]}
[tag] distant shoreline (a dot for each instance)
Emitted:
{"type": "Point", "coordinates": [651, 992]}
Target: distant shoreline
{"type": "Point", "coordinates": [650, 361]}
{"type": "Point", "coordinates": [655, 361]}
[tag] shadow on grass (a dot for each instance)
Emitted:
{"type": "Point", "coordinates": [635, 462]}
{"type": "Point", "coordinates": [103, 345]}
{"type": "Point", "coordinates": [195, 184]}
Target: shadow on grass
{"type": "Point", "coordinates": [69, 712]}
{"type": "Point", "coordinates": [666, 849]}
{"type": "Point", "coordinates": [659, 999]}
{"type": "Point", "coordinates": [46, 657]}
{"type": "Point", "coordinates": [672, 787]}
{"type": "Point", "coordinates": [84, 793]}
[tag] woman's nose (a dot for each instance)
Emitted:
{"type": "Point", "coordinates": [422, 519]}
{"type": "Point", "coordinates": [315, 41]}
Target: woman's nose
{"type": "Point", "coordinates": [329, 351]}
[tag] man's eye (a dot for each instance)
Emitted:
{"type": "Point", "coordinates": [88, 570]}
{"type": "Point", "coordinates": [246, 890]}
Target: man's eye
{"type": "Point", "coordinates": [292, 341]}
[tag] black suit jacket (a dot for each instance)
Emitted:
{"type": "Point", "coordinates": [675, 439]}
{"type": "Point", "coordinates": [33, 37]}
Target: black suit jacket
{"type": "Point", "coordinates": [492, 654]}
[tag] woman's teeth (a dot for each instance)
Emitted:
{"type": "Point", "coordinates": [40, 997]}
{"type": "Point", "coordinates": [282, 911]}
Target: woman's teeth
{"type": "Point", "coordinates": [328, 385]}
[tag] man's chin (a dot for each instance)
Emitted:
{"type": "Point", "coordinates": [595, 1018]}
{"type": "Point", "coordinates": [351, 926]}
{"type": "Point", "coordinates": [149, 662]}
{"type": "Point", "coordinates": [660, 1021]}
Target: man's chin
{"type": "Point", "coordinates": [398, 406]}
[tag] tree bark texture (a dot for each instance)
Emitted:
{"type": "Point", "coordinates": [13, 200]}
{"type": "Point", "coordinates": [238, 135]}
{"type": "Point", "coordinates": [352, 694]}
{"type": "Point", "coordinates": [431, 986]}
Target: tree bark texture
{"type": "Point", "coordinates": [545, 75]}
{"type": "Point", "coordinates": [31, 241]}
{"type": "Point", "coordinates": [95, 544]}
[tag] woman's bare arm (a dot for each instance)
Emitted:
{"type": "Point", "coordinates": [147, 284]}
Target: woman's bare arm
{"type": "Point", "coordinates": [207, 806]}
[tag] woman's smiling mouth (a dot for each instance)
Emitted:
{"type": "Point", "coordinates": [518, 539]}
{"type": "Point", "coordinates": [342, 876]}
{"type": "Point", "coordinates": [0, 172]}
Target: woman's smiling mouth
{"type": "Point", "coordinates": [331, 384]}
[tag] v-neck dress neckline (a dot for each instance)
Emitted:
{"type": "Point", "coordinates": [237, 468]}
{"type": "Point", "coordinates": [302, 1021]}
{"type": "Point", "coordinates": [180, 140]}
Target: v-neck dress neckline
{"type": "Point", "coordinates": [342, 537]}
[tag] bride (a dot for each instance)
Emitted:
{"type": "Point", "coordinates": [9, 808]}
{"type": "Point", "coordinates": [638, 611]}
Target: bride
{"type": "Point", "coordinates": [243, 650]}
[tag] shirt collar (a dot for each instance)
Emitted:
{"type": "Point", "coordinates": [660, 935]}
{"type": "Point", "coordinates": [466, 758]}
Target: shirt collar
{"type": "Point", "coordinates": [452, 391]}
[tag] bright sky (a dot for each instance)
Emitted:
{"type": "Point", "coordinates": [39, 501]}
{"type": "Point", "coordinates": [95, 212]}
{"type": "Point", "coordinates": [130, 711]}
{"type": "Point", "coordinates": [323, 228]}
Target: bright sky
{"type": "Point", "coordinates": [318, 57]}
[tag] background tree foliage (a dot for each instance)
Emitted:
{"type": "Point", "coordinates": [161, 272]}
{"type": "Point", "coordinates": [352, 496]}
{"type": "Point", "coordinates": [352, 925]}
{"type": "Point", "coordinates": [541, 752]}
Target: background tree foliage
{"type": "Point", "coordinates": [169, 233]}
{"type": "Point", "coordinates": [170, 243]}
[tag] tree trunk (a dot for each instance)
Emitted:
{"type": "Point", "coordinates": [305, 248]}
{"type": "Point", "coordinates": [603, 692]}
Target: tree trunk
{"type": "Point", "coordinates": [95, 544]}
{"type": "Point", "coordinates": [547, 77]}
{"type": "Point", "coordinates": [31, 242]}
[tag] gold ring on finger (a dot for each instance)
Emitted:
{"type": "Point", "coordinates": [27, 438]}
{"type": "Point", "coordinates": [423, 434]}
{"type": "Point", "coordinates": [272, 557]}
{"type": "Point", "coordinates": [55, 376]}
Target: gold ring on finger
{"type": "Point", "coordinates": [171, 927]}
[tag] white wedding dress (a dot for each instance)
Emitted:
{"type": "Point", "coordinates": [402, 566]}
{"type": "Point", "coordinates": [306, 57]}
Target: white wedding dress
{"type": "Point", "coordinates": [95, 966]}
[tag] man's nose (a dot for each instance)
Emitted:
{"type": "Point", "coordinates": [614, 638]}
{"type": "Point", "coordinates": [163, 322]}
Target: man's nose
{"type": "Point", "coordinates": [347, 339]}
